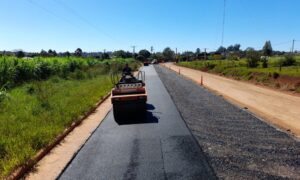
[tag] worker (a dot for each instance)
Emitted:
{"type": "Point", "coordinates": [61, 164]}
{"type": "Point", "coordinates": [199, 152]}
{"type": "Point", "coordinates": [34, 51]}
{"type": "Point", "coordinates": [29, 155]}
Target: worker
{"type": "Point", "coordinates": [127, 70]}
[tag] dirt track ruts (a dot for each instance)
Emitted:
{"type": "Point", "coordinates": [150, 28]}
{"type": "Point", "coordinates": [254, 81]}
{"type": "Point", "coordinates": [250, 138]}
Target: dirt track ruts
{"type": "Point", "coordinates": [237, 144]}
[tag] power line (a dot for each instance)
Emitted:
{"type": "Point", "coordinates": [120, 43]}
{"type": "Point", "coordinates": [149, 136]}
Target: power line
{"type": "Point", "coordinates": [282, 43]}
{"type": "Point", "coordinates": [223, 22]}
{"type": "Point", "coordinates": [71, 10]}
{"type": "Point", "coordinates": [50, 12]}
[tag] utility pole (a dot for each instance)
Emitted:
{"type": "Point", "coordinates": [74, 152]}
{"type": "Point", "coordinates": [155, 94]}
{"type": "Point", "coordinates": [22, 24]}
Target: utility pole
{"type": "Point", "coordinates": [176, 55]}
{"type": "Point", "coordinates": [293, 46]}
{"type": "Point", "coordinates": [204, 53]}
{"type": "Point", "coordinates": [151, 49]}
{"type": "Point", "coordinates": [133, 51]}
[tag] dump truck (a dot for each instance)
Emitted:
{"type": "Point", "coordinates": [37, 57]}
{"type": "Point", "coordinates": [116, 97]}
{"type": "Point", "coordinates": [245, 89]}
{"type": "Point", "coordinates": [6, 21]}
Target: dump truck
{"type": "Point", "coordinates": [129, 96]}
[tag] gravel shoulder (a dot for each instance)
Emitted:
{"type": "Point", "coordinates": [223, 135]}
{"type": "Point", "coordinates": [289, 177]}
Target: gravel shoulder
{"type": "Point", "coordinates": [237, 144]}
{"type": "Point", "coordinates": [275, 107]}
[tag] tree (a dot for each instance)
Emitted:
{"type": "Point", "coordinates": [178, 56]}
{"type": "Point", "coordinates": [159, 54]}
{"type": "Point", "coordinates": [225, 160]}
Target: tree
{"type": "Point", "coordinates": [187, 56]}
{"type": "Point", "coordinates": [267, 49]}
{"type": "Point", "coordinates": [236, 47]}
{"type": "Point", "coordinates": [19, 54]}
{"type": "Point", "coordinates": [145, 53]}
{"type": "Point", "coordinates": [230, 48]}
{"type": "Point", "coordinates": [221, 49]}
{"type": "Point", "coordinates": [67, 53]}
{"type": "Point", "coordinates": [78, 52]}
{"type": "Point", "coordinates": [105, 56]}
{"type": "Point", "coordinates": [52, 52]}
{"type": "Point", "coordinates": [43, 53]}
{"type": "Point", "coordinates": [140, 58]}
{"type": "Point", "coordinates": [289, 60]}
{"type": "Point", "coordinates": [158, 56]}
{"type": "Point", "coordinates": [168, 54]}
{"type": "Point", "coordinates": [253, 58]}
{"type": "Point", "coordinates": [198, 53]}
{"type": "Point", "coordinates": [120, 54]}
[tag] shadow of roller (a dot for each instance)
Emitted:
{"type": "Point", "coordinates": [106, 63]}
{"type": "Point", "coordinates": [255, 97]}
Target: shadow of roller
{"type": "Point", "coordinates": [135, 117]}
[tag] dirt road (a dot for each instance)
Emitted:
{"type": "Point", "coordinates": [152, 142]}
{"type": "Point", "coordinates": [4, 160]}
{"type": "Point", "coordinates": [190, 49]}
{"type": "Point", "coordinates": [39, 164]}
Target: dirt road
{"type": "Point", "coordinates": [280, 109]}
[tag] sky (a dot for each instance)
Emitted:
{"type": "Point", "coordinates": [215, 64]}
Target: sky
{"type": "Point", "coordinates": [95, 25]}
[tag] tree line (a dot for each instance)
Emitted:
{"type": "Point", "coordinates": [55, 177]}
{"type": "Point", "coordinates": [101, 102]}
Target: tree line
{"type": "Point", "coordinates": [232, 52]}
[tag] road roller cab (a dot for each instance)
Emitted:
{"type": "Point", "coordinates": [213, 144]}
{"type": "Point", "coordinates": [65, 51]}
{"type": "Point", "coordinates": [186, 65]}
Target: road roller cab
{"type": "Point", "coordinates": [129, 96]}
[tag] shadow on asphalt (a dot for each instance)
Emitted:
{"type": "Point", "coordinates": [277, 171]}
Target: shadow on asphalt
{"type": "Point", "coordinates": [135, 118]}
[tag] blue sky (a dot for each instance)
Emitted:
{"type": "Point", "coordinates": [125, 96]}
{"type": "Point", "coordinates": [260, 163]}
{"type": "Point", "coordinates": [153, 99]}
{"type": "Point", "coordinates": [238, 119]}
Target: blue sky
{"type": "Point", "coordinates": [94, 25]}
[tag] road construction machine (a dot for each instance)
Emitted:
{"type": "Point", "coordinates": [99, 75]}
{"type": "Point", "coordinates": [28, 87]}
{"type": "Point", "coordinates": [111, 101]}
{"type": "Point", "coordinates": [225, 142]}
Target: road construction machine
{"type": "Point", "coordinates": [129, 96]}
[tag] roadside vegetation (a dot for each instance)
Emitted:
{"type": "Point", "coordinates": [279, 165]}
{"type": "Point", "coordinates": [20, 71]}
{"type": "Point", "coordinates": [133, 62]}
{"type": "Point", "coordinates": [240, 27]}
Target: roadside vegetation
{"type": "Point", "coordinates": [42, 96]}
{"type": "Point", "coordinates": [279, 73]}
{"type": "Point", "coordinates": [276, 69]}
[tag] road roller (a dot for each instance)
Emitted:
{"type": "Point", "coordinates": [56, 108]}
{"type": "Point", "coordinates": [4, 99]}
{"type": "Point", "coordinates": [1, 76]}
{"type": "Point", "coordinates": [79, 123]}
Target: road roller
{"type": "Point", "coordinates": [129, 96]}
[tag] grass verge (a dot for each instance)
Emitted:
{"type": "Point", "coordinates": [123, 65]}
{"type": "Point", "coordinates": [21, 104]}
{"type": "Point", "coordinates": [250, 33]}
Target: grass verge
{"type": "Point", "coordinates": [285, 78]}
{"type": "Point", "coordinates": [35, 113]}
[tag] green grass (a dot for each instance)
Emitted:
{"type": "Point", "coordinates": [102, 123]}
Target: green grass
{"type": "Point", "coordinates": [239, 68]}
{"type": "Point", "coordinates": [34, 112]}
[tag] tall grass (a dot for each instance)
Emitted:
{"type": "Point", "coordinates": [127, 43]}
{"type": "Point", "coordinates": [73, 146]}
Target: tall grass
{"type": "Point", "coordinates": [15, 71]}
{"type": "Point", "coordinates": [43, 101]}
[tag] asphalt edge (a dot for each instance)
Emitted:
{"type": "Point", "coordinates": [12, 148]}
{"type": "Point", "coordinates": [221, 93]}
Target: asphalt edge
{"type": "Point", "coordinates": [21, 171]}
{"type": "Point", "coordinates": [192, 135]}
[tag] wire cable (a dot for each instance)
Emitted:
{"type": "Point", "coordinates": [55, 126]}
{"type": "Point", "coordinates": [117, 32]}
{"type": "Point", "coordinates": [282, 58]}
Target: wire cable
{"type": "Point", "coordinates": [52, 13]}
{"type": "Point", "coordinates": [86, 21]}
{"type": "Point", "coordinates": [223, 22]}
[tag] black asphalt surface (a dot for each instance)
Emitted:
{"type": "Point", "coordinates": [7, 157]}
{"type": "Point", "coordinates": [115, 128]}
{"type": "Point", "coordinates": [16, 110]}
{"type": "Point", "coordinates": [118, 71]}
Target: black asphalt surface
{"type": "Point", "coordinates": [160, 147]}
{"type": "Point", "coordinates": [236, 144]}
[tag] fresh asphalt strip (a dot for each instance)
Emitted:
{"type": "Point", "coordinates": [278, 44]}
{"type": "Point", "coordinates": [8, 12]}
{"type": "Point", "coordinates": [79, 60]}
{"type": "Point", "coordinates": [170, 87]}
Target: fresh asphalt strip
{"type": "Point", "coordinates": [157, 147]}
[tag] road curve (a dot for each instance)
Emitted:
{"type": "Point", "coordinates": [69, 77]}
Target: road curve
{"type": "Point", "coordinates": [161, 147]}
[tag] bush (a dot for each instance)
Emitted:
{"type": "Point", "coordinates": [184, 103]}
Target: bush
{"type": "Point", "coordinates": [275, 75]}
{"type": "Point", "coordinates": [3, 95]}
{"type": "Point", "coordinates": [264, 62]}
{"type": "Point", "coordinates": [252, 58]}
{"type": "Point", "coordinates": [42, 70]}
{"type": "Point", "coordinates": [209, 66]}
{"type": "Point", "coordinates": [289, 60]}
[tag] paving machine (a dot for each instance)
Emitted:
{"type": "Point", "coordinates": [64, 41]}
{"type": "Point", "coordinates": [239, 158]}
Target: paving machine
{"type": "Point", "coordinates": [129, 95]}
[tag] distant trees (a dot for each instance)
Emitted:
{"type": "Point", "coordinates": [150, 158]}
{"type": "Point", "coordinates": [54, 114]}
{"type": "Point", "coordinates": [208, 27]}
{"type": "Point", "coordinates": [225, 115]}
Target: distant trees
{"type": "Point", "coordinates": [122, 54]}
{"type": "Point", "coordinates": [43, 53]}
{"type": "Point", "coordinates": [187, 56]}
{"type": "Point", "coordinates": [67, 54]}
{"type": "Point", "coordinates": [221, 49]}
{"type": "Point", "coordinates": [20, 54]}
{"type": "Point", "coordinates": [78, 52]}
{"type": "Point", "coordinates": [198, 53]}
{"type": "Point", "coordinates": [145, 53]}
{"type": "Point", "coordinates": [52, 53]}
{"type": "Point", "coordinates": [105, 56]}
{"type": "Point", "coordinates": [234, 48]}
{"type": "Point", "coordinates": [267, 49]}
{"type": "Point", "coordinates": [168, 54]}
{"type": "Point", "coordinates": [158, 56]}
